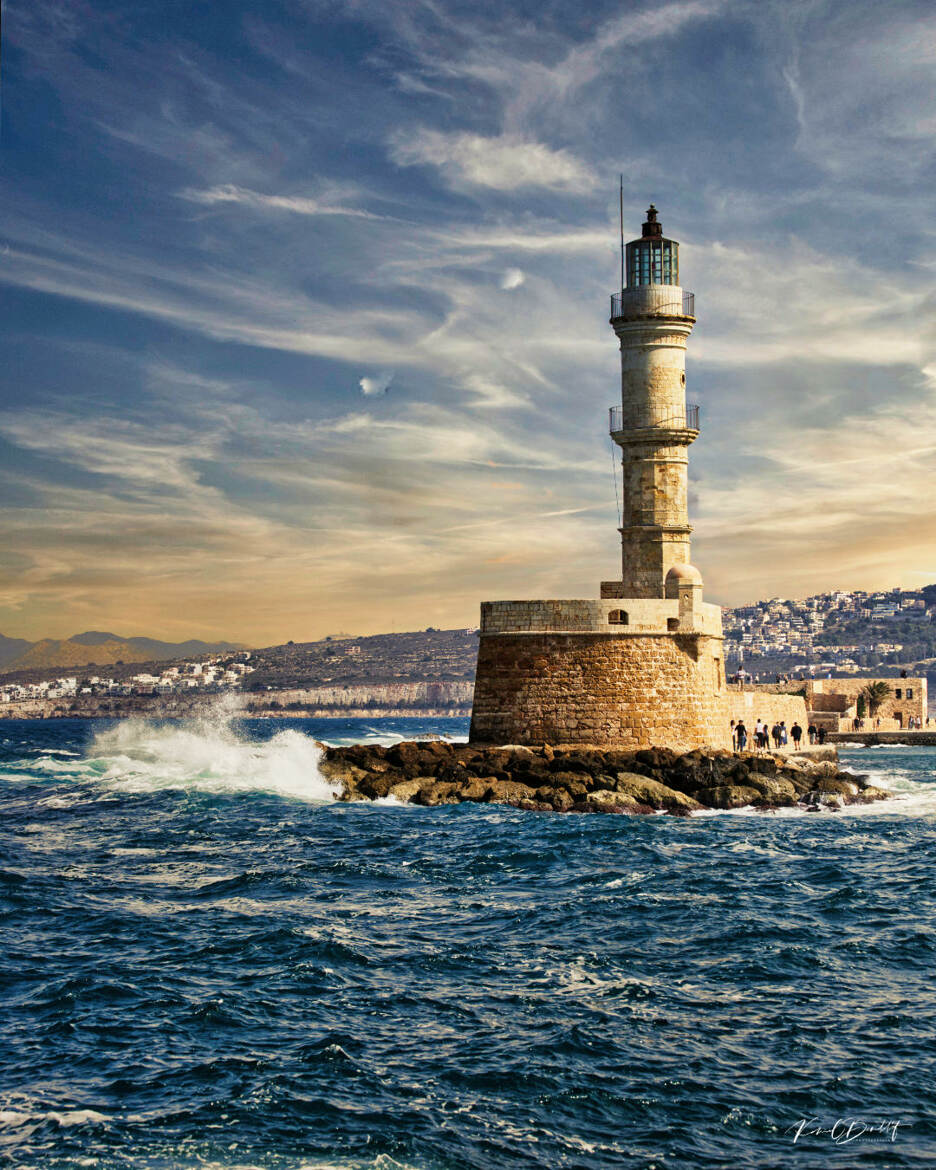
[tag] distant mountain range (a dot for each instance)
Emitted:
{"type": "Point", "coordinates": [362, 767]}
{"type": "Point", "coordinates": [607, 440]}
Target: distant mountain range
{"type": "Point", "coordinates": [99, 648]}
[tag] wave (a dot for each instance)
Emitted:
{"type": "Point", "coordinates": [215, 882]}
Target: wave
{"type": "Point", "coordinates": [907, 796]}
{"type": "Point", "coordinates": [209, 754]}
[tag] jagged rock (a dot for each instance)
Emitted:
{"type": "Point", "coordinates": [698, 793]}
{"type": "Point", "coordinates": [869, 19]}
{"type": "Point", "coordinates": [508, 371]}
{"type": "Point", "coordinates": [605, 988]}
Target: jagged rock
{"type": "Point", "coordinates": [564, 764]}
{"type": "Point", "coordinates": [452, 773]}
{"type": "Point", "coordinates": [559, 798]}
{"type": "Point", "coordinates": [476, 787]}
{"type": "Point", "coordinates": [605, 801]}
{"type": "Point", "coordinates": [837, 787]}
{"type": "Point", "coordinates": [606, 798]}
{"type": "Point", "coordinates": [576, 778]}
{"type": "Point", "coordinates": [435, 792]}
{"type": "Point", "coordinates": [377, 786]}
{"type": "Point", "coordinates": [651, 792]}
{"type": "Point", "coordinates": [579, 780]}
{"type": "Point", "coordinates": [728, 796]}
{"type": "Point", "coordinates": [817, 754]}
{"type": "Point", "coordinates": [776, 788]}
{"type": "Point", "coordinates": [507, 790]}
{"type": "Point", "coordinates": [868, 794]}
{"type": "Point", "coordinates": [406, 789]}
{"type": "Point", "coordinates": [764, 765]}
{"type": "Point", "coordinates": [801, 784]}
{"type": "Point", "coordinates": [363, 754]}
{"type": "Point", "coordinates": [341, 771]}
{"type": "Point", "coordinates": [816, 769]}
{"type": "Point", "coordinates": [575, 783]}
{"type": "Point", "coordinates": [656, 758]}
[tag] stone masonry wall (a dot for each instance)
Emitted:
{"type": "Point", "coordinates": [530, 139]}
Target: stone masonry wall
{"type": "Point", "coordinates": [894, 712]}
{"type": "Point", "coordinates": [750, 706]}
{"type": "Point", "coordinates": [625, 690]}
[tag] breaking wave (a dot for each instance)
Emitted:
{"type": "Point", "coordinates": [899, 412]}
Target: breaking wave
{"type": "Point", "coordinates": [211, 754]}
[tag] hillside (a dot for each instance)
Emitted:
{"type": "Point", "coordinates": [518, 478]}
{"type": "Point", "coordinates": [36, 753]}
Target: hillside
{"type": "Point", "coordinates": [433, 655]}
{"type": "Point", "coordinates": [97, 648]}
{"type": "Point", "coordinates": [11, 649]}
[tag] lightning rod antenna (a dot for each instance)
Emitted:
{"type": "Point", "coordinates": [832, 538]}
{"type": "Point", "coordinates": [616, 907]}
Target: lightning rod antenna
{"type": "Point", "coordinates": [621, 202]}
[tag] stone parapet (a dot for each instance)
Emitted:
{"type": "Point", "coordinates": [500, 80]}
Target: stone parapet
{"type": "Point", "coordinates": [634, 616]}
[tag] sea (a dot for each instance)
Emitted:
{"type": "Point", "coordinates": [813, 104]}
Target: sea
{"type": "Point", "coordinates": [208, 961]}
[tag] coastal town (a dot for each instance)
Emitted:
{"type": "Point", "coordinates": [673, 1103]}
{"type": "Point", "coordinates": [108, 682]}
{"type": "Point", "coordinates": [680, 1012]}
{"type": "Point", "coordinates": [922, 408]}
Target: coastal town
{"type": "Point", "coordinates": [845, 632]}
{"type": "Point", "coordinates": [209, 676]}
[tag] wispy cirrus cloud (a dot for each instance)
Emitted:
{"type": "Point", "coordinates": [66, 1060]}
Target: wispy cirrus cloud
{"type": "Point", "coordinates": [228, 193]}
{"type": "Point", "coordinates": [503, 163]}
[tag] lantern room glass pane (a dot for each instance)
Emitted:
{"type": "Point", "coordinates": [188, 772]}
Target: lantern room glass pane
{"type": "Point", "coordinates": [652, 262]}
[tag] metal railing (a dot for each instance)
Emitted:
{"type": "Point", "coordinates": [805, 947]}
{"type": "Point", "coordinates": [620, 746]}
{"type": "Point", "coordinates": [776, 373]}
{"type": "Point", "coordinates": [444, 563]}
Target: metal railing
{"type": "Point", "coordinates": [651, 300]}
{"type": "Point", "coordinates": [621, 420]}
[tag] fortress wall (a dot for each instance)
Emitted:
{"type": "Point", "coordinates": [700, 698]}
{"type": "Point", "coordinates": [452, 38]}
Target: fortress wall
{"type": "Point", "coordinates": [615, 690]}
{"type": "Point", "coordinates": [893, 712]}
{"type": "Point", "coordinates": [750, 706]}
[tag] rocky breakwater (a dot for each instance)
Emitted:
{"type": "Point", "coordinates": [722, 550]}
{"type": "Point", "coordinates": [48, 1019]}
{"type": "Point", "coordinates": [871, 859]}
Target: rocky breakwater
{"type": "Point", "coordinates": [591, 780]}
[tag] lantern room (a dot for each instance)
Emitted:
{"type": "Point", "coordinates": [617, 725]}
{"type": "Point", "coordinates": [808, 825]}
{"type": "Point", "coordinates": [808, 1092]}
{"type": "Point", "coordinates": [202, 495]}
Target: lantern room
{"type": "Point", "coordinates": [652, 259]}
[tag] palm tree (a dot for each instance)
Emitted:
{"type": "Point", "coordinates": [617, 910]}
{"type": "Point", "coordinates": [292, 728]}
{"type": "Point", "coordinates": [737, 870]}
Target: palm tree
{"type": "Point", "coordinates": [875, 694]}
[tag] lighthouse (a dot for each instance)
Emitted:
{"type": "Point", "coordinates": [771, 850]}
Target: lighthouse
{"type": "Point", "coordinates": [642, 664]}
{"type": "Point", "coordinates": [653, 426]}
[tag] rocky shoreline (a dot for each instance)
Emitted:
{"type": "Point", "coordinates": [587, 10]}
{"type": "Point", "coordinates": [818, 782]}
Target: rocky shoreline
{"type": "Point", "coordinates": [577, 780]}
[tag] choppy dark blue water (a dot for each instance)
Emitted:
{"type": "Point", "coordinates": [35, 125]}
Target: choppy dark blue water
{"type": "Point", "coordinates": [208, 962]}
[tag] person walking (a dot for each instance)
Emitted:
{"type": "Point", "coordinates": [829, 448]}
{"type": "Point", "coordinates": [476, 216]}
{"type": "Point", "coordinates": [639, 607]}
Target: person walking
{"type": "Point", "coordinates": [812, 733]}
{"type": "Point", "coordinates": [784, 737]}
{"type": "Point", "coordinates": [796, 734]}
{"type": "Point", "coordinates": [741, 735]}
{"type": "Point", "coordinates": [775, 736]}
{"type": "Point", "coordinates": [734, 736]}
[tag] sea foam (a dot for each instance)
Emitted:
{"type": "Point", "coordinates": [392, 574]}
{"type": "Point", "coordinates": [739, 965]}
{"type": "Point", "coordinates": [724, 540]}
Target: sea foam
{"type": "Point", "coordinates": [210, 754]}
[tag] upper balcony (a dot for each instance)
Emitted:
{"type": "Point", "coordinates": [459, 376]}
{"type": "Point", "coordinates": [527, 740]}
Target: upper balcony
{"type": "Point", "coordinates": [652, 300]}
{"type": "Point", "coordinates": [625, 422]}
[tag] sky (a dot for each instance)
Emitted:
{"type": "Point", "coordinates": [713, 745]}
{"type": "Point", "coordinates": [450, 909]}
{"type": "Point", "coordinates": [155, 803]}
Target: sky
{"type": "Point", "coordinates": [305, 302]}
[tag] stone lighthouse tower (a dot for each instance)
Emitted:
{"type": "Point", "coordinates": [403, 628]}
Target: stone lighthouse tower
{"type": "Point", "coordinates": [640, 666]}
{"type": "Point", "coordinates": [653, 426]}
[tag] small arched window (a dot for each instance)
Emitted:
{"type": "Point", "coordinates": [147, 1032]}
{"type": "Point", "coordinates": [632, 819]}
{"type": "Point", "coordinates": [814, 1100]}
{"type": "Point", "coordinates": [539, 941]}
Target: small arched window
{"type": "Point", "coordinates": [617, 617]}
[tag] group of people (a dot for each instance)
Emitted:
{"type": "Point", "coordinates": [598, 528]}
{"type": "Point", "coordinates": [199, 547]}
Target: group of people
{"type": "Point", "coordinates": [914, 723]}
{"type": "Point", "coordinates": [762, 735]}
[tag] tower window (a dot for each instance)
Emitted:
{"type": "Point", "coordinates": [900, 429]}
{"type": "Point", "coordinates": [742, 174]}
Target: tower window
{"type": "Point", "coordinates": [617, 617]}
